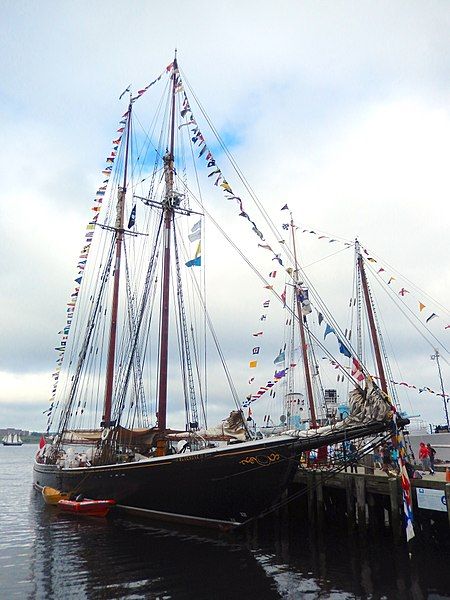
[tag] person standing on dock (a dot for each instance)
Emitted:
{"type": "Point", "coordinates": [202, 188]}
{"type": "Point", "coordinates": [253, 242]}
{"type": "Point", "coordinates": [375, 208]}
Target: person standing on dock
{"type": "Point", "coordinates": [386, 457]}
{"type": "Point", "coordinates": [353, 457]}
{"type": "Point", "coordinates": [432, 454]}
{"type": "Point", "coordinates": [377, 457]}
{"type": "Point", "coordinates": [424, 456]}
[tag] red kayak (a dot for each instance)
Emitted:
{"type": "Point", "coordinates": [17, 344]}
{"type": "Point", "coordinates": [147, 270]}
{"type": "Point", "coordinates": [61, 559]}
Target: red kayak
{"type": "Point", "coordinates": [91, 508]}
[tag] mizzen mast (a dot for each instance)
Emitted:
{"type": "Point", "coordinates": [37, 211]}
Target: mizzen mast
{"type": "Point", "coordinates": [370, 315]}
{"type": "Point", "coordinates": [119, 233]}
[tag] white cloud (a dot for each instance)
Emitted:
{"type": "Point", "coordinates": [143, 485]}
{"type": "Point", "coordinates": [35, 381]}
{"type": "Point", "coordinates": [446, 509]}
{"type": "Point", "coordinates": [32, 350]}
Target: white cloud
{"type": "Point", "coordinates": [339, 109]}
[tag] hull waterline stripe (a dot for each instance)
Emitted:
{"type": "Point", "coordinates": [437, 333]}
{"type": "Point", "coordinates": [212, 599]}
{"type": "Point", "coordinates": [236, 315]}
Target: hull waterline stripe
{"type": "Point", "coordinates": [178, 517]}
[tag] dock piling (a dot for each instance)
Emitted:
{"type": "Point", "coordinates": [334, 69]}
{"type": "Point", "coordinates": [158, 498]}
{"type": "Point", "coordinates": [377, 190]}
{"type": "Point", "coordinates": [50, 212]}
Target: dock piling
{"type": "Point", "coordinates": [360, 485]}
{"type": "Point", "coordinates": [394, 508]}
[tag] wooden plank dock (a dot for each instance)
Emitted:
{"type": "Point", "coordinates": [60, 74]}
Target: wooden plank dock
{"type": "Point", "coordinates": [370, 499]}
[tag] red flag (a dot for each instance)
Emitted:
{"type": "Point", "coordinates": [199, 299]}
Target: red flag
{"type": "Point", "coordinates": [42, 442]}
{"type": "Point", "coordinates": [283, 296]}
{"type": "Point", "coordinates": [357, 372]}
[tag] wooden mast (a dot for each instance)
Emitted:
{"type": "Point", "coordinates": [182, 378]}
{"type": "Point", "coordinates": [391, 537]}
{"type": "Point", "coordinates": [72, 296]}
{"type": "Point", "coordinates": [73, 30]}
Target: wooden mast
{"type": "Point", "coordinates": [298, 291]}
{"type": "Point", "coordinates": [372, 326]}
{"type": "Point", "coordinates": [435, 357]}
{"type": "Point", "coordinates": [120, 208]}
{"type": "Point", "coordinates": [167, 235]}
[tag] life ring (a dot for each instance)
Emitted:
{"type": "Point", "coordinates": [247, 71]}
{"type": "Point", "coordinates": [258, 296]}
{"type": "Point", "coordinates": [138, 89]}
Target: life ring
{"type": "Point", "coordinates": [105, 433]}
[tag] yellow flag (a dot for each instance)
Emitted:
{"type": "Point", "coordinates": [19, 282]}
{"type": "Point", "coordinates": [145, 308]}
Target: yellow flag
{"type": "Point", "coordinates": [421, 306]}
{"type": "Point", "coordinates": [252, 364]}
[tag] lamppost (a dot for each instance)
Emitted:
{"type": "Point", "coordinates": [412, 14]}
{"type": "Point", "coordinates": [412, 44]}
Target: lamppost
{"type": "Point", "coordinates": [435, 357]}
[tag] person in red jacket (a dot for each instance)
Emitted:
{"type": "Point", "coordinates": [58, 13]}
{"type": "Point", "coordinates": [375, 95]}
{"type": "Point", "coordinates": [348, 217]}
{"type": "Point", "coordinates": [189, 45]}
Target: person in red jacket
{"type": "Point", "coordinates": [424, 456]}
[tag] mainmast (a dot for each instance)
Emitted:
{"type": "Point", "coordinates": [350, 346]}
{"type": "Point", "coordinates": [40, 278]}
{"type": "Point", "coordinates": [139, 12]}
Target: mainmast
{"type": "Point", "coordinates": [298, 292]}
{"type": "Point", "coordinates": [119, 231]}
{"type": "Point", "coordinates": [168, 203]}
{"type": "Point", "coordinates": [372, 326]}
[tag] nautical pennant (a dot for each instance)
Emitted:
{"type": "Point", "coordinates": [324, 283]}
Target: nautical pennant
{"type": "Point", "coordinates": [328, 329]}
{"type": "Point", "coordinates": [195, 236]}
{"type": "Point", "coordinates": [343, 349]}
{"type": "Point", "coordinates": [357, 372]}
{"type": "Point", "coordinates": [132, 219]}
{"type": "Point", "coordinates": [280, 358]}
{"type": "Point", "coordinates": [197, 260]}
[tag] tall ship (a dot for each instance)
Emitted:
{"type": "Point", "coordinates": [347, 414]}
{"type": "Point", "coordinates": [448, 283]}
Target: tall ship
{"type": "Point", "coordinates": [140, 369]}
{"type": "Point", "coordinates": [12, 439]}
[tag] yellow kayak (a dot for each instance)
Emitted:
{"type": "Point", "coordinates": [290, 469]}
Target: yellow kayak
{"type": "Point", "coordinates": [52, 496]}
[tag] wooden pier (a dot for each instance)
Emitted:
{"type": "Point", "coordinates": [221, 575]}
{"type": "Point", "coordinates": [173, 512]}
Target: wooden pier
{"type": "Point", "coordinates": [371, 501]}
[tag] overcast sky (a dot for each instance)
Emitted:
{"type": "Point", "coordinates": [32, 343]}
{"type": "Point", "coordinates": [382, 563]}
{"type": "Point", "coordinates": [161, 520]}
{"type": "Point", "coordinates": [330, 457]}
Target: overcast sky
{"type": "Point", "coordinates": [338, 108]}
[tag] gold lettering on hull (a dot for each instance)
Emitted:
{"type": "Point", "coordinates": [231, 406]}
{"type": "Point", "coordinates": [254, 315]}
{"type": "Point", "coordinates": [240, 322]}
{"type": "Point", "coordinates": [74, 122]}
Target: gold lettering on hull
{"type": "Point", "coordinates": [262, 461]}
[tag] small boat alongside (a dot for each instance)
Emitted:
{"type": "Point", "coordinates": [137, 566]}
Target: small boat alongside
{"type": "Point", "coordinates": [52, 496]}
{"type": "Point", "coordinates": [88, 508]}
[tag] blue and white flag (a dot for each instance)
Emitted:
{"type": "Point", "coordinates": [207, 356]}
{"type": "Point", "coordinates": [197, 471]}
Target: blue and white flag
{"type": "Point", "coordinates": [196, 232]}
{"type": "Point", "coordinates": [279, 359]}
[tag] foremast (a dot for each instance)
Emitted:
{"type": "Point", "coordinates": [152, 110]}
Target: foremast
{"type": "Point", "coordinates": [170, 200]}
{"type": "Point", "coordinates": [119, 234]}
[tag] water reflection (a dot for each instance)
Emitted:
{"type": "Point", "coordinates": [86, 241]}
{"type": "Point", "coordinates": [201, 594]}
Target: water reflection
{"type": "Point", "coordinates": [337, 564]}
{"type": "Point", "coordinates": [276, 558]}
{"type": "Point", "coordinates": [119, 558]}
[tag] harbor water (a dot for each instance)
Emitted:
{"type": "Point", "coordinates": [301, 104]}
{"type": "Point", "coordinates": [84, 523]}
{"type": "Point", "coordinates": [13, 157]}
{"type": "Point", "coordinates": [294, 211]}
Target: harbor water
{"type": "Point", "coordinates": [46, 554]}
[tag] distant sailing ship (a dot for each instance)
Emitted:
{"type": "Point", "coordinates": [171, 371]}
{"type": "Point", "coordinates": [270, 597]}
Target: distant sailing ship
{"type": "Point", "coordinates": [118, 365]}
{"type": "Point", "coordinates": [12, 439]}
